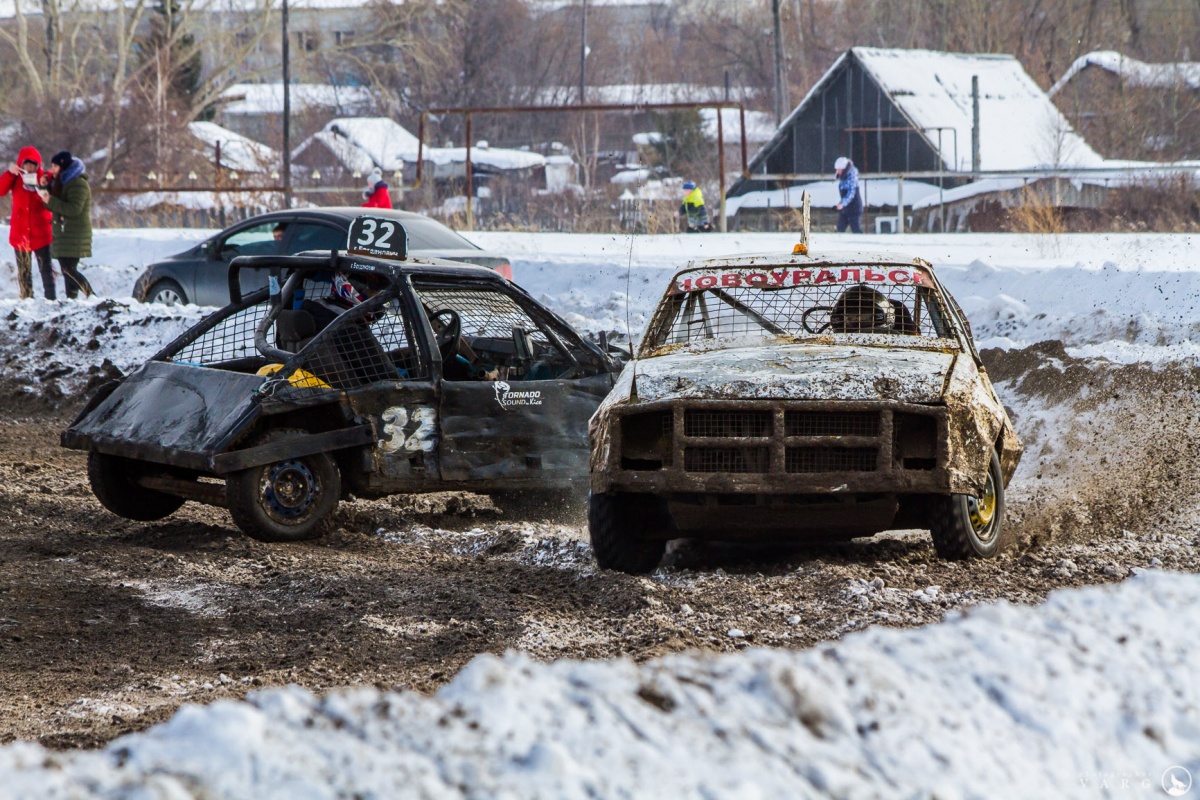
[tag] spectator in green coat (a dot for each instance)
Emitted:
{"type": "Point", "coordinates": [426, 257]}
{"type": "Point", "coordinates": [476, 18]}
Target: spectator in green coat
{"type": "Point", "coordinates": [69, 197]}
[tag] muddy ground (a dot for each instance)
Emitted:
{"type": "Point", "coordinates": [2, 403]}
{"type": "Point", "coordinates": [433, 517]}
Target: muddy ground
{"type": "Point", "coordinates": [107, 626]}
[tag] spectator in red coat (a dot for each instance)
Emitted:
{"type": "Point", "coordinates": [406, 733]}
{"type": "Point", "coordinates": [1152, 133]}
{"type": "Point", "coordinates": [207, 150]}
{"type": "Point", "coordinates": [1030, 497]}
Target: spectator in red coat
{"type": "Point", "coordinates": [376, 193]}
{"type": "Point", "coordinates": [29, 233]}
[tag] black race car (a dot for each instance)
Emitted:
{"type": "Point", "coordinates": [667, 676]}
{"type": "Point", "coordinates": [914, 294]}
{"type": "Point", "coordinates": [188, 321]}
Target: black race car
{"type": "Point", "coordinates": [348, 374]}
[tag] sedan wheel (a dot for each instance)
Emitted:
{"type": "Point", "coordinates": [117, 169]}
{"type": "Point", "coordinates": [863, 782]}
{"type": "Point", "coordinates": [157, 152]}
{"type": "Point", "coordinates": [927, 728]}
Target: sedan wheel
{"type": "Point", "coordinates": [168, 293]}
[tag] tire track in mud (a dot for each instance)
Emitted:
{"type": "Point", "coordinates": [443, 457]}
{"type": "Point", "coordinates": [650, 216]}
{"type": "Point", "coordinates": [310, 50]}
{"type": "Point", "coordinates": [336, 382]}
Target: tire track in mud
{"type": "Point", "coordinates": [107, 626]}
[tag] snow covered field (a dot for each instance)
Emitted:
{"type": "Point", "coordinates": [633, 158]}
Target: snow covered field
{"type": "Point", "coordinates": [1092, 694]}
{"type": "Point", "coordinates": [1124, 297]}
{"type": "Point", "coordinates": [1093, 688]}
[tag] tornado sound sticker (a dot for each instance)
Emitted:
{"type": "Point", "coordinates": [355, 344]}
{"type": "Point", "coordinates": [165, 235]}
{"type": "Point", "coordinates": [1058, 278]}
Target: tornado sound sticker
{"type": "Point", "coordinates": [507, 398]}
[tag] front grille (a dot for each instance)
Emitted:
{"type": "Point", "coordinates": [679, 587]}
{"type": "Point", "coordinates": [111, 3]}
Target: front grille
{"type": "Point", "coordinates": [726, 424]}
{"type": "Point", "coordinates": [832, 423]}
{"type": "Point", "coordinates": [831, 459]}
{"type": "Point", "coordinates": [727, 459]}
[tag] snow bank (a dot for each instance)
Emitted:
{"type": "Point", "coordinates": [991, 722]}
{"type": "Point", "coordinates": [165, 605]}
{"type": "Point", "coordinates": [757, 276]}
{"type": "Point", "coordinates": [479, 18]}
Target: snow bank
{"type": "Point", "coordinates": [1095, 687]}
{"type": "Point", "coordinates": [1125, 297]}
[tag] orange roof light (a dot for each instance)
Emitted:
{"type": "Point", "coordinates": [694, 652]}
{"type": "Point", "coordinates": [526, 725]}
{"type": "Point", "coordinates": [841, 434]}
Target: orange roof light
{"type": "Point", "coordinates": [800, 249]}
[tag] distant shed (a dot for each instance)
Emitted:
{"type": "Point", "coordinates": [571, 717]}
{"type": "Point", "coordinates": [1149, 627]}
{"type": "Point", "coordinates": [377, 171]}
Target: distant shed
{"type": "Point", "coordinates": [892, 110]}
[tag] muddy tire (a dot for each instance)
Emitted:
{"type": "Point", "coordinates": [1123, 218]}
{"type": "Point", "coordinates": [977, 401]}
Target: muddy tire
{"type": "Point", "coordinates": [629, 531]}
{"type": "Point", "coordinates": [964, 526]}
{"type": "Point", "coordinates": [286, 501]}
{"type": "Point", "coordinates": [114, 482]}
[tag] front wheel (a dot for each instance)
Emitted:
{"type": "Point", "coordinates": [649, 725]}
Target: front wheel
{"type": "Point", "coordinates": [965, 526]}
{"type": "Point", "coordinates": [166, 292]}
{"type": "Point", "coordinates": [288, 500]}
{"type": "Point", "coordinates": [114, 482]}
{"type": "Point", "coordinates": [629, 532]}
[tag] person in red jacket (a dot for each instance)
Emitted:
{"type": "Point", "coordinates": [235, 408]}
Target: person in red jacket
{"type": "Point", "coordinates": [376, 193]}
{"type": "Point", "coordinates": [29, 233]}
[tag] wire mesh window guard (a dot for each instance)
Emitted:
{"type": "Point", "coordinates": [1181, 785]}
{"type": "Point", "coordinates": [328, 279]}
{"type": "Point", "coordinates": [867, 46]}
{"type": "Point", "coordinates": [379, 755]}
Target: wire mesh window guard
{"type": "Point", "coordinates": [366, 344]}
{"type": "Point", "coordinates": [231, 338]}
{"type": "Point", "coordinates": [802, 311]}
{"type": "Point", "coordinates": [484, 314]}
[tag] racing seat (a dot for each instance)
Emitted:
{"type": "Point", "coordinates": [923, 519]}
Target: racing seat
{"type": "Point", "coordinates": [294, 329]}
{"type": "Point", "coordinates": [349, 357]}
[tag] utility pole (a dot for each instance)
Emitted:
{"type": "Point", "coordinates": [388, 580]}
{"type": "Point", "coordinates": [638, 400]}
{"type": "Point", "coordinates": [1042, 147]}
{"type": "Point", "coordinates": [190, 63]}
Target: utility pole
{"type": "Point", "coordinates": [779, 85]}
{"type": "Point", "coordinates": [287, 114]}
{"type": "Point", "coordinates": [583, 53]}
{"type": "Point", "coordinates": [975, 125]}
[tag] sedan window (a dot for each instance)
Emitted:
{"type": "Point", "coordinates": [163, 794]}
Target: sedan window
{"type": "Point", "coordinates": [259, 240]}
{"type": "Point", "coordinates": [311, 236]}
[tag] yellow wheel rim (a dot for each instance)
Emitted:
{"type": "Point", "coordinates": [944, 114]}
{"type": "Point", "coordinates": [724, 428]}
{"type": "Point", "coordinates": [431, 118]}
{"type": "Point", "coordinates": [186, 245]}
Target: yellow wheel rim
{"type": "Point", "coordinates": [983, 510]}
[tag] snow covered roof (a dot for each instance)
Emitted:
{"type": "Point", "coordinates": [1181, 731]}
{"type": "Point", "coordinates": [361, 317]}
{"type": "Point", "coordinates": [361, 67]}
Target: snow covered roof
{"type": "Point", "coordinates": [496, 157]}
{"type": "Point", "coordinates": [759, 125]}
{"type": "Point", "coordinates": [362, 143]}
{"type": "Point", "coordinates": [267, 98]}
{"type": "Point", "coordinates": [877, 192]}
{"type": "Point", "coordinates": [1134, 72]}
{"type": "Point", "coordinates": [237, 152]}
{"type": "Point", "coordinates": [1020, 128]}
{"type": "Point", "coordinates": [380, 139]}
{"type": "Point", "coordinates": [635, 93]}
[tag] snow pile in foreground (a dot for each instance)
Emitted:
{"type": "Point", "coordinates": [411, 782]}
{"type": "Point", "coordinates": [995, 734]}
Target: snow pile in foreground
{"type": "Point", "coordinates": [54, 349]}
{"type": "Point", "coordinates": [1095, 685]}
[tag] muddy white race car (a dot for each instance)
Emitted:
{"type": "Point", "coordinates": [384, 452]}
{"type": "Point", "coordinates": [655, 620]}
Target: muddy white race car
{"type": "Point", "coordinates": [351, 374]}
{"type": "Point", "coordinates": [784, 397]}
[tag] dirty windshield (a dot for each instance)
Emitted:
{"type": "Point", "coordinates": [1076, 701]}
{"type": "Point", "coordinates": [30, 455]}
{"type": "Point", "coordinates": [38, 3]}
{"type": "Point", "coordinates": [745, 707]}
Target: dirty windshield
{"type": "Point", "coordinates": [725, 307]}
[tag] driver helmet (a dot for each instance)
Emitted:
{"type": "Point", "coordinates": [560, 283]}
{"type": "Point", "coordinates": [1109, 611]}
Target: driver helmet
{"type": "Point", "coordinates": [861, 309]}
{"type": "Point", "coordinates": [350, 291]}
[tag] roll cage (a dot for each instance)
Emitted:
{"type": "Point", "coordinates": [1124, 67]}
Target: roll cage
{"type": "Point", "coordinates": [250, 332]}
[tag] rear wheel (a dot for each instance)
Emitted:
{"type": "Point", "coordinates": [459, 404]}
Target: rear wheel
{"type": "Point", "coordinates": [114, 482]}
{"type": "Point", "coordinates": [288, 500]}
{"type": "Point", "coordinates": [629, 531]}
{"type": "Point", "coordinates": [167, 292]}
{"type": "Point", "coordinates": [964, 526]}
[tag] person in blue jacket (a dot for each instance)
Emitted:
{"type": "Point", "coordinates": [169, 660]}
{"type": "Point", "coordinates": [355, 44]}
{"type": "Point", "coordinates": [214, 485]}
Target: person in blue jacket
{"type": "Point", "coordinates": [850, 204]}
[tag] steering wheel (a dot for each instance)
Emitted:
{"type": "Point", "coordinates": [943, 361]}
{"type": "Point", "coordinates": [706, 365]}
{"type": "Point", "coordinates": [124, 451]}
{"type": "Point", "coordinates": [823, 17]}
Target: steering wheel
{"type": "Point", "coordinates": [804, 319]}
{"type": "Point", "coordinates": [447, 326]}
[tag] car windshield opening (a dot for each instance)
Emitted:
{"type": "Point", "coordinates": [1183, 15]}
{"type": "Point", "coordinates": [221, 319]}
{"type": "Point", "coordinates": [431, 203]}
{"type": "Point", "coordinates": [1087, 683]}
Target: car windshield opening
{"type": "Point", "coordinates": [714, 306]}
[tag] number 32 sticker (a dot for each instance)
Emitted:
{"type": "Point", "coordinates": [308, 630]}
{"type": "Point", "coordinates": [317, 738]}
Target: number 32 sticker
{"type": "Point", "coordinates": [409, 432]}
{"type": "Point", "coordinates": [375, 236]}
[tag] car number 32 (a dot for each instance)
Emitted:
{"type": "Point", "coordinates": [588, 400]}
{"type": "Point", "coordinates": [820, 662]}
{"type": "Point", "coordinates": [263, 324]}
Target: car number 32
{"type": "Point", "coordinates": [378, 237]}
{"type": "Point", "coordinates": [408, 432]}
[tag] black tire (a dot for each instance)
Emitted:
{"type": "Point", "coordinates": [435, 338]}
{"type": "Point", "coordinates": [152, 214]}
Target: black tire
{"type": "Point", "coordinates": [167, 292]}
{"type": "Point", "coordinates": [629, 531]}
{"type": "Point", "coordinates": [961, 524]}
{"type": "Point", "coordinates": [114, 482]}
{"type": "Point", "coordinates": [286, 501]}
